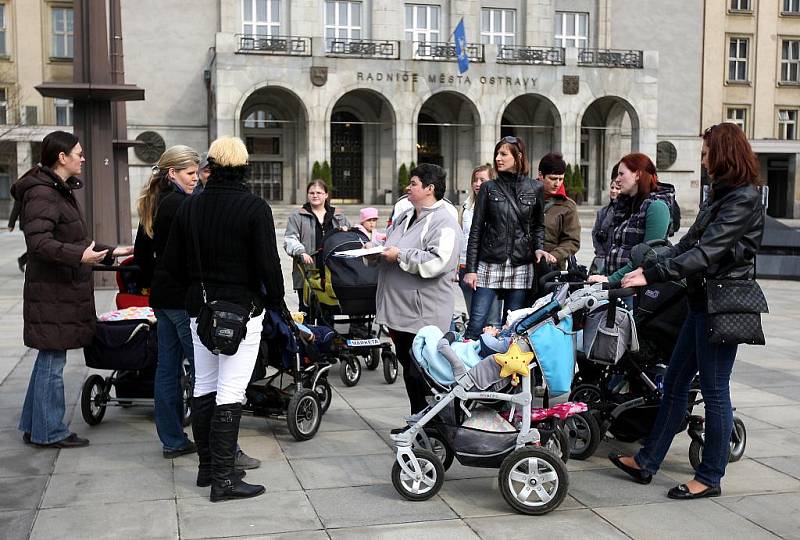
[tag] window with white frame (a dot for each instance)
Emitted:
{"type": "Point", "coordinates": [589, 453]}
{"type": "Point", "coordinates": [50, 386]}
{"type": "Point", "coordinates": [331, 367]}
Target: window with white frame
{"type": "Point", "coordinates": [3, 50]}
{"type": "Point", "coordinates": [737, 59]}
{"type": "Point", "coordinates": [422, 22]}
{"type": "Point", "coordinates": [738, 116]}
{"type": "Point", "coordinates": [261, 17]}
{"type": "Point", "coordinates": [787, 124]}
{"type": "Point", "coordinates": [342, 20]}
{"type": "Point", "coordinates": [62, 32]}
{"type": "Point", "coordinates": [572, 29]}
{"type": "Point", "coordinates": [790, 61]}
{"type": "Point", "coordinates": [63, 112]}
{"type": "Point", "coordinates": [261, 119]}
{"type": "Point", "coordinates": [791, 6]}
{"type": "Point", "coordinates": [498, 26]}
{"type": "Point", "coordinates": [741, 5]}
{"type": "Point", "coordinates": [3, 106]}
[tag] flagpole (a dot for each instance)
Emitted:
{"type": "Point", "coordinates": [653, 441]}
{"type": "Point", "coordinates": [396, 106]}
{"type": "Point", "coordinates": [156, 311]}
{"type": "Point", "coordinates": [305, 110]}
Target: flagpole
{"type": "Point", "coordinates": [454, 29]}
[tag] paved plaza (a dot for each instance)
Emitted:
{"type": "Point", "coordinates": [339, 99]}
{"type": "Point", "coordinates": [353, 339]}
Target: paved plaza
{"type": "Point", "coordinates": [338, 484]}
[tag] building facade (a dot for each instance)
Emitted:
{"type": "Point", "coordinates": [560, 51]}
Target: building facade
{"type": "Point", "coordinates": [751, 76]}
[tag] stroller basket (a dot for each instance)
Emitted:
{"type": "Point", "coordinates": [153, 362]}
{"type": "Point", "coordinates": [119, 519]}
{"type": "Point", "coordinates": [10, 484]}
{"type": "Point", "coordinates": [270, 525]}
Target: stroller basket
{"type": "Point", "coordinates": [122, 345]}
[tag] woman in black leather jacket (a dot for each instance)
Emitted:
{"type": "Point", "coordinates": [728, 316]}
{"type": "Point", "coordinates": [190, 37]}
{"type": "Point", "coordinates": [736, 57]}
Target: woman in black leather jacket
{"type": "Point", "coordinates": [722, 244]}
{"type": "Point", "coordinates": [507, 235]}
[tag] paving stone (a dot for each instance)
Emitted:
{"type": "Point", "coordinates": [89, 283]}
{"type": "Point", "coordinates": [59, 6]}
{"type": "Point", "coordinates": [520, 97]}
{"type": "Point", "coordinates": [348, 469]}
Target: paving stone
{"type": "Point", "coordinates": [786, 465]}
{"type": "Point", "coordinates": [23, 460]}
{"type": "Point", "coordinates": [430, 530]}
{"type": "Point", "coordinates": [336, 443]}
{"type": "Point", "coordinates": [275, 475]}
{"type": "Point", "coordinates": [696, 519]}
{"type": "Point", "coordinates": [110, 457]}
{"type": "Point", "coordinates": [775, 512]}
{"type": "Point", "coordinates": [343, 471]}
{"type": "Point", "coordinates": [150, 520]}
{"type": "Point", "coordinates": [268, 513]}
{"type": "Point", "coordinates": [743, 395]}
{"type": "Point", "coordinates": [373, 505]}
{"type": "Point", "coordinates": [300, 535]}
{"type": "Point", "coordinates": [558, 524]}
{"type": "Point", "coordinates": [21, 492]}
{"type": "Point", "coordinates": [16, 525]}
{"type": "Point", "coordinates": [773, 444]}
{"type": "Point", "coordinates": [385, 417]}
{"type": "Point", "coordinates": [120, 430]}
{"type": "Point", "coordinates": [109, 487]}
{"type": "Point", "coordinates": [375, 397]}
{"type": "Point", "coordinates": [612, 487]}
{"type": "Point", "coordinates": [344, 419]}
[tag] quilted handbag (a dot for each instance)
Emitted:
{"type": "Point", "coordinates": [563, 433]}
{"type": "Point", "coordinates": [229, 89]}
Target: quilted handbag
{"type": "Point", "coordinates": [734, 311]}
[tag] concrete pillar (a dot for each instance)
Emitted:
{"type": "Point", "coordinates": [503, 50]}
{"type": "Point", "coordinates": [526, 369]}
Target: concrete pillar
{"type": "Point", "coordinates": [25, 159]}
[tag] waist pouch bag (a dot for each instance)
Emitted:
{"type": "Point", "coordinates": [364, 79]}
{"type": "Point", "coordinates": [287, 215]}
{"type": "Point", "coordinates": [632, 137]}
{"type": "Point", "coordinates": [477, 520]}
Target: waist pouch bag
{"type": "Point", "coordinates": [734, 309]}
{"type": "Point", "coordinates": [221, 326]}
{"type": "Point", "coordinates": [608, 333]}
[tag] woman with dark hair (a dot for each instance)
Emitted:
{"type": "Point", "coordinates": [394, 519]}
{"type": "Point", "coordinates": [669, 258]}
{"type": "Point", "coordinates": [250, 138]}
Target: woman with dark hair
{"type": "Point", "coordinates": [641, 214]}
{"type": "Point", "coordinates": [601, 235]}
{"type": "Point", "coordinates": [58, 298]}
{"type": "Point", "coordinates": [236, 261]}
{"type": "Point", "coordinates": [305, 229]}
{"type": "Point", "coordinates": [721, 244]}
{"type": "Point", "coordinates": [562, 228]}
{"type": "Point", "coordinates": [506, 237]}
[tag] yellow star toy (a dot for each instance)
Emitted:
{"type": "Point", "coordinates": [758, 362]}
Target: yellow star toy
{"type": "Point", "coordinates": [514, 362]}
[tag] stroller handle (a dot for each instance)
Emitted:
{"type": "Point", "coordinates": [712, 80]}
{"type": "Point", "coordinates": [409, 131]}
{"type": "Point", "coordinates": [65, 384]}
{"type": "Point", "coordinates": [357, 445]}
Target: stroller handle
{"type": "Point", "coordinates": [618, 292]}
{"type": "Point", "coordinates": [115, 267]}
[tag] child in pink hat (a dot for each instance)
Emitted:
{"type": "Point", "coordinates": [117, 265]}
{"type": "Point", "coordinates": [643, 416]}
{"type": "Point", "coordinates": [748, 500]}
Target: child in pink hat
{"type": "Point", "coordinates": [368, 220]}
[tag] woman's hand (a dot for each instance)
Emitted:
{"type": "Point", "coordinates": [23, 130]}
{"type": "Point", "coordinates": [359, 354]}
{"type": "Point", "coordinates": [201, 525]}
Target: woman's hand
{"type": "Point", "coordinates": [391, 254]}
{"type": "Point", "coordinates": [471, 280]}
{"type": "Point", "coordinates": [122, 251]}
{"type": "Point", "coordinates": [306, 258]}
{"type": "Point", "coordinates": [547, 257]}
{"type": "Point", "coordinates": [635, 278]}
{"type": "Point", "coordinates": [596, 278]}
{"type": "Point", "coordinates": [90, 256]}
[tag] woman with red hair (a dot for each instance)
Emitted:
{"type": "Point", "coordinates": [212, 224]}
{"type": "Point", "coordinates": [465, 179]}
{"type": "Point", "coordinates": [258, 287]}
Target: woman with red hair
{"type": "Point", "coordinates": [642, 212]}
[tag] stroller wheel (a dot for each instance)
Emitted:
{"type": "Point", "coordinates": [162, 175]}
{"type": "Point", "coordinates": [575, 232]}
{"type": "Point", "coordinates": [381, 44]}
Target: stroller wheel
{"type": "Point", "coordinates": [583, 433]}
{"type": "Point", "coordinates": [533, 481]}
{"type": "Point", "coordinates": [738, 444]}
{"type": "Point", "coordinates": [558, 444]}
{"type": "Point", "coordinates": [303, 414]}
{"type": "Point", "coordinates": [350, 370]}
{"type": "Point", "coordinates": [93, 400]}
{"type": "Point", "coordinates": [426, 483]}
{"type": "Point", "coordinates": [324, 393]}
{"type": "Point", "coordinates": [587, 393]}
{"type": "Point", "coordinates": [374, 359]}
{"type": "Point", "coordinates": [431, 440]}
{"type": "Point", "coordinates": [389, 367]}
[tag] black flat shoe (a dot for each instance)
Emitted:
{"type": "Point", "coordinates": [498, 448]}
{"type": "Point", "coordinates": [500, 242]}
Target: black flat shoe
{"type": "Point", "coordinates": [682, 493]}
{"type": "Point", "coordinates": [190, 448]}
{"type": "Point", "coordinates": [71, 441]}
{"type": "Point", "coordinates": [638, 475]}
{"type": "Point", "coordinates": [26, 438]}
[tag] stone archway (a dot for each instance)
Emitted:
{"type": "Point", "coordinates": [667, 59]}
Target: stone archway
{"type": "Point", "coordinates": [537, 121]}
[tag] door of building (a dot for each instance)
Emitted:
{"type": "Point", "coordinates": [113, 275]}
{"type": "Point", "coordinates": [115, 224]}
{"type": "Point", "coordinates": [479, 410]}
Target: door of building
{"type": "Point", "coordinates": [347, 159]}
{"type": "Point", "coordinates": [778, 182]}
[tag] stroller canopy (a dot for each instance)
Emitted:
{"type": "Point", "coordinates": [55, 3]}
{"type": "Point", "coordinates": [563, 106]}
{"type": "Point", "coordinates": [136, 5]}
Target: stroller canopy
{"type": "Point", "coordinates": [354, 283]}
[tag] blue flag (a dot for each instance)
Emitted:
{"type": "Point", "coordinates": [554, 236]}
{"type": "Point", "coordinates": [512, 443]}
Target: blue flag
{"type": "Point", "coordinates": [460, 36]}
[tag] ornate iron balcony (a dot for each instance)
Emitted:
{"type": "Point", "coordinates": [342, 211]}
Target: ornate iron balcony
{"type": "Point", "coordinates": [611, 58]}
{"type": "Point", "coordinates": [363, 48]}
{"type": "Point", "coordinates": [433, 50]}
{"type": "Point", "coordinates": [279, 45]}
{"type": "Point", "coordinates": [551, 56]}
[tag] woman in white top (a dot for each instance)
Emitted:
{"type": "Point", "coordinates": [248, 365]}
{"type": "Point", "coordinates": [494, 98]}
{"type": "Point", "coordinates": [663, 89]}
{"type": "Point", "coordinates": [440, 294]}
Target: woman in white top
{"type": "Point", "coordinates": [480, 174]}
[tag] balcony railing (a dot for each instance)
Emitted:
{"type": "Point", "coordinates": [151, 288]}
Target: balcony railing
{"type": "Point", "coordinates": [550, 56]}
{"type": "Point", "coordinates": [611, 58]}
{"type": "Point", "coordinates": [279, 45]}
{"type": "Point", "coordinates": [433, 50]}
{"type": "Point", "coordinates": [363, 48]}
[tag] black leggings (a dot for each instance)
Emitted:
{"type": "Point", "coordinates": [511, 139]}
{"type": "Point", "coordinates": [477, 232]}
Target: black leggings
{"type": "Point", "coordinates": [415, 387]}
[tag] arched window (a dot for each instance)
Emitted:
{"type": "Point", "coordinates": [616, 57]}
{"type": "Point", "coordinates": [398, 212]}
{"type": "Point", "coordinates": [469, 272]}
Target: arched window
{"type": "Point", "coordinates": [261, 119]}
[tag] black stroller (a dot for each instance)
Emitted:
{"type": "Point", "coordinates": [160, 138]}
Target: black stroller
{"type": "Point", "coordinates": [340, 292]}
{"type": "Point", "coordinates": [624, 393]}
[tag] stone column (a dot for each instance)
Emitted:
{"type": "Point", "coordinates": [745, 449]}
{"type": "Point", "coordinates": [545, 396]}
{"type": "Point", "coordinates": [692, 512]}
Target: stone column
{"type": "Point", "coordinates": [25, 159]}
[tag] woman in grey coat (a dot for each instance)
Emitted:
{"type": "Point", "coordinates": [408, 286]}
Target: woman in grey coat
{"type": "Point", "coordinates": [305, 230]}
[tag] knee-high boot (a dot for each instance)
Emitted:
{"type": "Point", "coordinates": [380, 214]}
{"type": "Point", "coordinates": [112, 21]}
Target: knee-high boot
{"type": "Point", "coordinates": [202, 412]}
{"type": "Point", "coordinates": [225, 483]}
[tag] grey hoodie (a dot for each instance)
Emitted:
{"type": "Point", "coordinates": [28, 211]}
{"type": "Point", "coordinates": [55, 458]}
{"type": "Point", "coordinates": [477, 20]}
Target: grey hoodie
{"type": "Point", "coordinates": [420, 289]}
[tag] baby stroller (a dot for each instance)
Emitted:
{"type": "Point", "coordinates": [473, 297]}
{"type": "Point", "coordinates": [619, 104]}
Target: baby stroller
{"type": "Point", "coordinates": [290, 379]}
{"type": "Point", "coordinates": [621, 382]}
{"type": "Point", "coordinates": [532, 479]}
{"type": "Point", "coordinates": [125, 343]}
{"type": "Point", "coordinates": [340, 292]}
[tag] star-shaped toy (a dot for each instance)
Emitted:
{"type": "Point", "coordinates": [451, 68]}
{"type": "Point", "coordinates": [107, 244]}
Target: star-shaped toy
{"type": "Point", "coordinates": [514, 362]}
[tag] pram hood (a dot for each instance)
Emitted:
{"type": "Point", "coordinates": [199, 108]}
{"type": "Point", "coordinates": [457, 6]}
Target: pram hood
{"type": "Point", "coordinates": [354, 283]}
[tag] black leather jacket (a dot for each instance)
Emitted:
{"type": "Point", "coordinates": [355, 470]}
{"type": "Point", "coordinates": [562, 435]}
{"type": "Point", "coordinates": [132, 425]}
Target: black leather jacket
{"type": "Point", "coordinates": [721, 244]}
{"type": "Point", "coordinates": [496, 234]}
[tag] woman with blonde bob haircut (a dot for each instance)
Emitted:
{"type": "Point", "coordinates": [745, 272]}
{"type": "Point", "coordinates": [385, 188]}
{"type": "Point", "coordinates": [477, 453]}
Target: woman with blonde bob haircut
{"type": "Point", "coordinates": [173, 179]}
{"type": "Point", "coordinates": [238, 254]}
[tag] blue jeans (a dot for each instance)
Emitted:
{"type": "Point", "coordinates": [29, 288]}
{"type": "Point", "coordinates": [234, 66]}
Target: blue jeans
{"type": "Point", "coordinates": [694, 353]}
{"type": "Point", "coordinates": [482, 301]}
{"type": "Point", "coordinates": [44, 407]}
{"type": "Point", "coordinates": [174, 344]}
{"type": "Point", "coordinates": [494, 313]}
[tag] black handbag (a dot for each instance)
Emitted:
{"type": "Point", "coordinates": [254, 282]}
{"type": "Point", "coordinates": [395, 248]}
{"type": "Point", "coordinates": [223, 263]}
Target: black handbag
{"type": "Point", "coordinates": [734, 308]}
{"type": "Point", "coordinates": [221, 325]}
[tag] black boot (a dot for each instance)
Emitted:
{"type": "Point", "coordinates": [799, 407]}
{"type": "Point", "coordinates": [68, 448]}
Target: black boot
{"type": "Point", "coordinates": [202, 411]}
{"type": "Point", "coordinates": [225, 484]}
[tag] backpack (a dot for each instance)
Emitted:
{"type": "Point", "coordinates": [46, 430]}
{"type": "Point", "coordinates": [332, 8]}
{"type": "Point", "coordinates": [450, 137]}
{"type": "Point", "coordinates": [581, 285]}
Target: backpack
{"type": "Point", "coordinates": [675, 216]}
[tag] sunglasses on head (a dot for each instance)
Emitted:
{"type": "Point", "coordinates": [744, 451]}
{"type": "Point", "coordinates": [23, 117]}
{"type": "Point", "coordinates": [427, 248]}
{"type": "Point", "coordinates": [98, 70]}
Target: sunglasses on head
{"type": "Point", "coordinates": [509, 139]}
{"type": "Point", "coordinates": [708, 130]}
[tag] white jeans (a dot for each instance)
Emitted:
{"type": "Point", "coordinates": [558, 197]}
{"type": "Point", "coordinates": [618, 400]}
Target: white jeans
{"type": "Point", "coordinates": [228, 376]}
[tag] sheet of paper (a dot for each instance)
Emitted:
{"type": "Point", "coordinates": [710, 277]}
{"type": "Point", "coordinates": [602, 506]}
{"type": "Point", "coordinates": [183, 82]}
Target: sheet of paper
{"type": "Point", "coordinates": [363, 252]}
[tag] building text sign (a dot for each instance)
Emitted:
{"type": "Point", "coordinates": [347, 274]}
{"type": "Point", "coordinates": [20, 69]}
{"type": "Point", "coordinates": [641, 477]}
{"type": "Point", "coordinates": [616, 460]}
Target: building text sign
{"type": "Point", "coordinates": [443, 78]}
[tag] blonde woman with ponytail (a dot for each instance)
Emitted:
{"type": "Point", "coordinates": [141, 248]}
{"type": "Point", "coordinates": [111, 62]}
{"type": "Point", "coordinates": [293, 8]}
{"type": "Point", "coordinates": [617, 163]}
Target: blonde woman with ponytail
{"type": "Point", "coordinates": [173, 179]}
